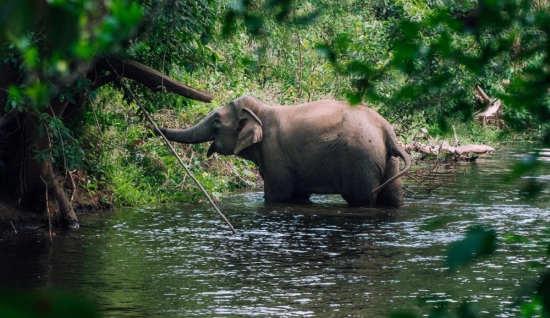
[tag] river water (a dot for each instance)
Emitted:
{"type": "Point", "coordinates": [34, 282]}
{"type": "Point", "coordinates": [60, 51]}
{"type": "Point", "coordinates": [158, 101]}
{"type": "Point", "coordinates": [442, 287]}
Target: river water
{"type": "Point", "coordinates": [316, 260]}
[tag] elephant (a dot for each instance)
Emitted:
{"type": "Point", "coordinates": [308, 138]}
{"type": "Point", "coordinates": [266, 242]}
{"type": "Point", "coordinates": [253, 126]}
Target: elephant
{"type": "Point", "coordinates": [320, 147]}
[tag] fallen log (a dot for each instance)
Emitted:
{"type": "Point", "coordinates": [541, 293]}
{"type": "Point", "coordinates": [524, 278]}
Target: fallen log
{"type": "Point", "coordinates": [483, 96]}
{"type": "Point", "coordinates": [459, 150]}
{"type": "Point", "coordinates": [445, 147]}
{"type": "Point", "coordinates": [422, 148]}
{"type": "Point", "coordinates": [458, 153]}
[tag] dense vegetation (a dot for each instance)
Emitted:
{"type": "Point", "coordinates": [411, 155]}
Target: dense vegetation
{"type": "Point", "coordinates": [64, 121]}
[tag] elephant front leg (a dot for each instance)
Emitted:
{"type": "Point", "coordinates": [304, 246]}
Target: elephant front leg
{"type": "Point", "coordinates": [277, 194]}
{"type": "Point", "coordinates": [278, 187]}
{"type": "Point", "coordinates": [301, 197]}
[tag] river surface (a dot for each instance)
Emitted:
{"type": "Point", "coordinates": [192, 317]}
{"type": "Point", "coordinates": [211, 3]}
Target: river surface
{"type": "Point", "coordinates": [317, 260]}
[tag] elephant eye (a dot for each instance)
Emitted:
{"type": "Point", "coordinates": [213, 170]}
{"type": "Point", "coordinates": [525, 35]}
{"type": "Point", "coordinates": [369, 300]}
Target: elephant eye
{"type": "Point", "coordinates": [240, 125]}
{"type": "Point", "coordinates": [217, 122]}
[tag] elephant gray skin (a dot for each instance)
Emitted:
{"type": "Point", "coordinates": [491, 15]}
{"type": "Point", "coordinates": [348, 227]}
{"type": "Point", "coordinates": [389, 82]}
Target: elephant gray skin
{"type": "Point", "coordinates": [323, 147]}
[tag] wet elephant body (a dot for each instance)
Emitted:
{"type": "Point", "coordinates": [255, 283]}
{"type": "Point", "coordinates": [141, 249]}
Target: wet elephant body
{"type": "Point", "coordinates": [322, 147]}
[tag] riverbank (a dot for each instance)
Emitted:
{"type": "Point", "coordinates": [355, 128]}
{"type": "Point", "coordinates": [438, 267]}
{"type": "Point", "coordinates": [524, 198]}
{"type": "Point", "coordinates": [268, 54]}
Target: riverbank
{"type": "Point", "coordinates": [13, 218]}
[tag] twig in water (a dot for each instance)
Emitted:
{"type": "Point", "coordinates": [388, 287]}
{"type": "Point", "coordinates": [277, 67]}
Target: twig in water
{"type": "Point", "coordinates": [150, 119]}
{"type": "Point", "coordinates": [419, 182]}
{"type": "Point", "coordinates": [457, 142]}
{"type": "Point", "coordinates": [48, 211]}
{"type": "Point", "coordinates": [13, 227]}
{"type": "Point", "coordinates": [73, 185]}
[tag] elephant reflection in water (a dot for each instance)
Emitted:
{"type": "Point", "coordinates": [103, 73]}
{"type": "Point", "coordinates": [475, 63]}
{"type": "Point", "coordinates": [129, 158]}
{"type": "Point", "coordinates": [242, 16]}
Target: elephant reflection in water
{"type": "Point", "coordinates": [321, 147]}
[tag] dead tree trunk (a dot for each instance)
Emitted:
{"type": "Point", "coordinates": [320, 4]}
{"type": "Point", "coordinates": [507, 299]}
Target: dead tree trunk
{"type": "Point", "coordinates": [492, 113]}
{"type": "Point", "coordinates": [457, 151]}
{"type": "Point", "coordinates": [40, 174]}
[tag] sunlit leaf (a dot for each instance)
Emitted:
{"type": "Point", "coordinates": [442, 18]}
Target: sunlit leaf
{"type": "Point", "coordinates": [39, 94]}
{"type": "Point", "coordinates": [31, 57]}
{"type": "Point", "coordinates": [533, 308]}
{"type": "Point", "coordinates": [84, 49]}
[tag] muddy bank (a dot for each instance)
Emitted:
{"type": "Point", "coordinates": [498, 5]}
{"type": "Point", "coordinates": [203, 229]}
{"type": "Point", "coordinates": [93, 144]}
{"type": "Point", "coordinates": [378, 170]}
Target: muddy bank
{"type": "Point", "coordinates": [14, 218]}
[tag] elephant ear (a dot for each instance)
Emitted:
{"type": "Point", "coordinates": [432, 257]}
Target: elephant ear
{"type": "Point", "coordinates": [249, 130]}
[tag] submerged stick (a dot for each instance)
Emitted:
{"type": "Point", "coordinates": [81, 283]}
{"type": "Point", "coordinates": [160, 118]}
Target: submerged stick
{"type": "Point", "coordinates": [48, 211]}
{"type": "Point", "coordinates": [13, 227]}
{"type": "Point", "coordinates": [150, 119]}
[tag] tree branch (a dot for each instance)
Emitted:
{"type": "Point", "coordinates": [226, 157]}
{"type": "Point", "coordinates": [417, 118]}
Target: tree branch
{"type": "Point", "coordinates": [151, 78]}
{"type": "Point", "coordinates": [483, 95]}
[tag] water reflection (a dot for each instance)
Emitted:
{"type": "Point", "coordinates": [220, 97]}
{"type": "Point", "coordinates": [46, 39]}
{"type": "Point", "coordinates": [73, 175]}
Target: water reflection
{"type": "Point", "coordinates": [319, 259]}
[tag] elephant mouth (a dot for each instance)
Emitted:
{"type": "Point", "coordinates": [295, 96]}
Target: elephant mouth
{"type": "Point", "coordinates": [211, 150]}
{"type": "Point", "coordinates": [219, 148]}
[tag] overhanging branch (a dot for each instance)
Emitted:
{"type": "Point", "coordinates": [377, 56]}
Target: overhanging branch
{"type": "Point", "coordinates": [151, 78]}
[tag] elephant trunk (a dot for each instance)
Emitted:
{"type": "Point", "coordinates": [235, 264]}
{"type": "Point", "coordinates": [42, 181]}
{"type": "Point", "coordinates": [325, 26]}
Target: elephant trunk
{"type": "Point", "coordinates": [201, 132]}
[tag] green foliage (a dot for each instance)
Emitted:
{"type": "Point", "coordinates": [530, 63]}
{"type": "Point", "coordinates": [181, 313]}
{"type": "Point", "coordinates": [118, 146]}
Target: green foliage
{"type": "Point", "coordinates": [73, 30]}
{"type": "Point", "coordinates": [405, 58]}
{"type": "Point", "coordinates": [49, 45]}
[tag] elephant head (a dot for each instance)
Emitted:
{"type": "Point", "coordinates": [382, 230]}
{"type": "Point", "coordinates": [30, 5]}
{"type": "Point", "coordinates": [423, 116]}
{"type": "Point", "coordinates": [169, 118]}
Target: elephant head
{"type": "Point", "coordinates": [232, 128]}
